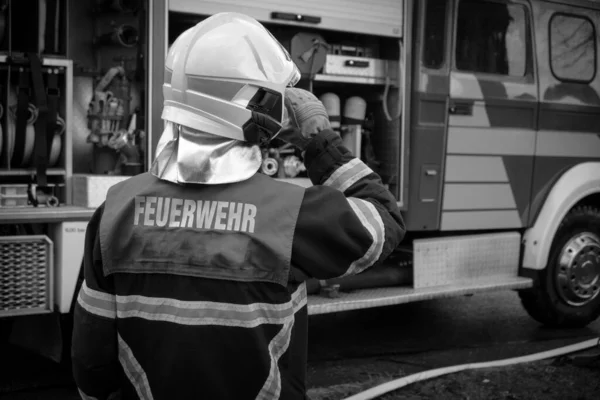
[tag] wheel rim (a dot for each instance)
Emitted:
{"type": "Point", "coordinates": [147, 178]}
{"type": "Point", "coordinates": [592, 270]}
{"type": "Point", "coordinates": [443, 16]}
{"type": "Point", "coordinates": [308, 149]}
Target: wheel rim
{"type": "Point", "coordinates": [578, 272]}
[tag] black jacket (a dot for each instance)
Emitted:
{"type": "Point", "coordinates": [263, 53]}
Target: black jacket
{"type": "Point", "coordinates": [129, 338]}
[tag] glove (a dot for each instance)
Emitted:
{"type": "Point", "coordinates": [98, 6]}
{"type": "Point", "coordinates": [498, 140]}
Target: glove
{"type": "Point", "coordinates": [304, 117]}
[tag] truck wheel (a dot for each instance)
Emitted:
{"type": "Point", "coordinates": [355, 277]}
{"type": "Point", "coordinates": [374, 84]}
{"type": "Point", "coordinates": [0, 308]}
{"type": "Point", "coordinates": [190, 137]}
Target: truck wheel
{"type": "Point", "coordinates": [567, 291]}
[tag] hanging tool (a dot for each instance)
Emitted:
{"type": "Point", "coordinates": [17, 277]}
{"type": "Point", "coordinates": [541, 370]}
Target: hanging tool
{"type": "Point", "coordinates": [105, 108]}
{"type": "Point", "coordinates": [3, 9]}
{"type": "Point", "coordinates": [123, 35]}
{"type": "Point", "coordinates": [309, 52]}
{"type": "Point", "coordinates": [124, 6]}
{"type": "Point", "coordinates": [37, 196]}
{"type": "Point", "coordinates": [292, 166]}
{"type": "Point", "coordinates": [269, 166]}
{"type": "Point", "coordinates": [124, 142]}
{"type": "Point", "coordinates": [400, 85]}
{"type": "Point", "coordinates": [56, 145]}
{"type": "Point", "coordinates": [41, 26]}
{"type": "Point", "coordinates": [108, 78]}
{"type": "Point", "coordinates": [111, 113]}
{"type": "Point", "coordinates": [1, 130]}
{"type": "Point", "coordinates": [132, 127]}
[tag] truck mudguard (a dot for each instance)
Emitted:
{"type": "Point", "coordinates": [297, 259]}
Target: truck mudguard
{"type": "Point", "coordinates": [575, 184]}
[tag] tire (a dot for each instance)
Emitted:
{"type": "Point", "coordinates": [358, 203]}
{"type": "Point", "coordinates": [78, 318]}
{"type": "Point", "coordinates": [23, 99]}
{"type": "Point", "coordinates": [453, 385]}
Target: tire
{"type": "Point", "coordinates": [565, 294]}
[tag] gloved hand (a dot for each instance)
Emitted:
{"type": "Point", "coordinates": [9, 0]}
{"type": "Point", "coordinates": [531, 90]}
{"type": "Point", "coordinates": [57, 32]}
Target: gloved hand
{"type": "Point", "coordinates": [304, 117]}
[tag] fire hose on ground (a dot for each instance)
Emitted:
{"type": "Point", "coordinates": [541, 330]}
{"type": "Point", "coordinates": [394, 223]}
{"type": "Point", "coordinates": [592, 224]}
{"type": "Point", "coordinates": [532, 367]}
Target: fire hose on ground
{"type": "Point", "coordinates": [399, 383]}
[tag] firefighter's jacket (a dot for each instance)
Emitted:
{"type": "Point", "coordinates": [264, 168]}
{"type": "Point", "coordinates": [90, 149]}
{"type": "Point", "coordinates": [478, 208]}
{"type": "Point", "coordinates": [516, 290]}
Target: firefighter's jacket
{"type": "Point", "coordinates": [195, 292]}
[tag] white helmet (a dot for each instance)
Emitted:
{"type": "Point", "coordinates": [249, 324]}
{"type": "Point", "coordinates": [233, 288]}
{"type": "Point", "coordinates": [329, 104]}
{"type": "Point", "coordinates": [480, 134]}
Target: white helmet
{"type": "Point", "coordinates": [227, 76]}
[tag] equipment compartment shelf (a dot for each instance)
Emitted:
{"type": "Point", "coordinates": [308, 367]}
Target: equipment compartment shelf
{"type": "Point", "coordinates": [359, 80]}
{"type": "Point", "coordinates": [38, 215]}
{"type": "Point", "coordinates": [31, 171]}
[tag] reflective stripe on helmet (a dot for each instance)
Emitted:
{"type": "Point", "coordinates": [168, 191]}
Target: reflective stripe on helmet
{"type": "Point", "coordinates": [295, 78]}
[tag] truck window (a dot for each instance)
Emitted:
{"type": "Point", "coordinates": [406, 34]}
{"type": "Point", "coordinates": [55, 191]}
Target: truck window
{"type": "Point", "coordinates": [435, 33]}
{"type": "Point", "coordinates": [491, 37]}
{"type": "Point", "coordinates": [572, 48]}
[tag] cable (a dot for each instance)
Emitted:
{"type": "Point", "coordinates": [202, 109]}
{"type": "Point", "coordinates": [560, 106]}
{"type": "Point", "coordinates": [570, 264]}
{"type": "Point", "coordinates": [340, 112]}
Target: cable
{"type": "Point", "coordinates": [388, 83]}
{"type": "Point", "coordinates": [387, 387]}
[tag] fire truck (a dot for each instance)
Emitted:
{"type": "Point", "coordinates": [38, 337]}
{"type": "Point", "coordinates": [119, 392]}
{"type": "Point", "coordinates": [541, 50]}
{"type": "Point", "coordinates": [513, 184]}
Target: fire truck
{"type": "Point", "coordinates": [481, 116]}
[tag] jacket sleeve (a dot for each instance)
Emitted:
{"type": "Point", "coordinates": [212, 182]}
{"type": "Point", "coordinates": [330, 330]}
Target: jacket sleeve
{"type": "Point", "coordinates": [94, 347]}
{"type": "Point", "coordinates": [348, 221]}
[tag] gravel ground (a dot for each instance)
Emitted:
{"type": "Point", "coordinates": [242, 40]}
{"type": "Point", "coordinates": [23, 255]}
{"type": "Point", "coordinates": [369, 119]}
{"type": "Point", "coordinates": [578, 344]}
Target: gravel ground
{"type": "Point", "coordinates": [574, 376]}
{"type": "Point", "coordinates": [358, 352]}
{"type": "Point", "coordinates": [545, 380]}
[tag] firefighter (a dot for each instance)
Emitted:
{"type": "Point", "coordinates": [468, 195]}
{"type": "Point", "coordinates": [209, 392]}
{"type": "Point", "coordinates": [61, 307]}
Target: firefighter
{"type": "Point", "coordinates": [193, 272]}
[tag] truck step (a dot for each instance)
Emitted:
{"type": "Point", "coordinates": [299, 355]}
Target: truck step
{"type": "Point", "coordinates": [455, 259]}
{"type": "Point", "coordinates": [370, 298]}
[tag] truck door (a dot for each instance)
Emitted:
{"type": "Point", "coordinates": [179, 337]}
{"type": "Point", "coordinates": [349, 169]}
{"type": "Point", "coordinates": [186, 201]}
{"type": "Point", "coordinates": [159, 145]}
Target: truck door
{"type": "Point", "coordinates": [492, 117]}
{"type": "Point", "coordinates": [429, 109]}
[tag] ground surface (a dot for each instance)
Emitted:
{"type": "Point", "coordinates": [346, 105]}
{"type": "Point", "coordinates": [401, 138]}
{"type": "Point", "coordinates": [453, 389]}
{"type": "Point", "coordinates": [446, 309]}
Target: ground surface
{"type": "Point", "coordinates": [351, 352]}
{"type": "Point", "coordinates": [537, 381]}
{"type": "Point", "coordinates": [355, 351]}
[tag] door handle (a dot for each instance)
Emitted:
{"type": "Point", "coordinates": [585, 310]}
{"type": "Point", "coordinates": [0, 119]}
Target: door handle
{"type": "Point", "coordinates": [357, 63]}
{"type": "Point", "coordinates": [461, 109]}
{"type": "Point", "coordinates": [296, 17]}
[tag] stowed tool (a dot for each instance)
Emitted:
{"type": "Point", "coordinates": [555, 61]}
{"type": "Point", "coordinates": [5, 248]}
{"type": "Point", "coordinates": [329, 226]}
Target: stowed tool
{"type": "Point", "coordinates": [305, 115]}
{"type": "Point", "coordinates": [126, 143]}
{"type": "Point", "coordinates": [122, 35]}
{"type": "Point", "coordinates": [105, 110]}
{"type": "Point", "coordinates": [331, 101]}
{"type": "Point", "coordinates": [292, 166]}
{"type": "Point", "coordinates": [37, 196]}
{"type": "Point", "coordinates": [281, 162]}
{"type": "Point", "coordinates": [269, 166]}
{"type": "Point", "coordinates": [309, 52]}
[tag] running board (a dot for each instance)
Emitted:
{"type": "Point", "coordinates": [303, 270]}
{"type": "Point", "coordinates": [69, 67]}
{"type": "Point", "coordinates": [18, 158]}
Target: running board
{"type": "Point", "coordinates": [370, 298]}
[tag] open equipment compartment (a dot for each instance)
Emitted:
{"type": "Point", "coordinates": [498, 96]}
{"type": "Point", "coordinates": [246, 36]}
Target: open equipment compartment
{"type": "Point", "coordinates": [36, 85]}
{"type": "Point", "coordinates": [35, 98]}
{"type": "Point", "coordinates": [70, 46]}
{"type": "Point", "coordinates": [351, 57]}
{"type": "Point", "coordinates": [110, 58]}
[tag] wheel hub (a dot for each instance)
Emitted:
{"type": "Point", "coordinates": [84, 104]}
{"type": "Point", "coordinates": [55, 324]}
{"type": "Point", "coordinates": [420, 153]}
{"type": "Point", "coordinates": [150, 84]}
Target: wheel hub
{"type": "Point", "coordinates": [578, 272]}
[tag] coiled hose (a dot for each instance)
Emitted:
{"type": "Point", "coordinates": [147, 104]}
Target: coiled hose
{"type": "Point", "coordinates": [396, 384]}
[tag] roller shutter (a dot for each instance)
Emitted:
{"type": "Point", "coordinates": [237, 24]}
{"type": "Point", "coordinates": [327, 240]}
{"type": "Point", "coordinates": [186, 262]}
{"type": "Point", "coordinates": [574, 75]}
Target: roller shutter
{"type": "Point", "coordinates": [373, 17]}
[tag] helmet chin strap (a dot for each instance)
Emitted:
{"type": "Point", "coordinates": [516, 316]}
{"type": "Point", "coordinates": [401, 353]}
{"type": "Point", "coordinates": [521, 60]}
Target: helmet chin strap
{"type": "Point", "coordinates": [260, 129]}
